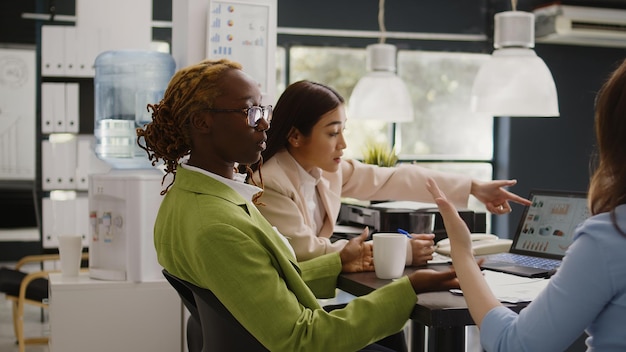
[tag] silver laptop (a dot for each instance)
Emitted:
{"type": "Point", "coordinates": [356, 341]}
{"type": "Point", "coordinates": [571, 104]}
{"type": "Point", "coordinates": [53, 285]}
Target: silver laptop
{"type": "Point", "coordinates": [543, 235]}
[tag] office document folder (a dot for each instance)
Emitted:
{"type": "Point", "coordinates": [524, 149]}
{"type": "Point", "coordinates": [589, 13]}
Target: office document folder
{"type": "Point", "coordinates": [64, 216]}
{"type": "Point", "coordinates": [58, 160]}
{"type": "Point", "coordinates": [52, 51]}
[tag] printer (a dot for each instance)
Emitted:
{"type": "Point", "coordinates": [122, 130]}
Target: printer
{"type": "Point", "coordinates": [391, 216]}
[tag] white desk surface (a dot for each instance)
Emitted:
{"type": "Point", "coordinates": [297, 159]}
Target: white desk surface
{"type": "Point", "coordinates": [83, 281]}
{"type": "Point", "coordinates": [103, 316]}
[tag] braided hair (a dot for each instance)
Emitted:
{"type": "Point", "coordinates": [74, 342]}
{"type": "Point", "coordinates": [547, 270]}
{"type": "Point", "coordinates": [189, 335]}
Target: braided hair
{"type": "Point", "coordinates": [191, 89]}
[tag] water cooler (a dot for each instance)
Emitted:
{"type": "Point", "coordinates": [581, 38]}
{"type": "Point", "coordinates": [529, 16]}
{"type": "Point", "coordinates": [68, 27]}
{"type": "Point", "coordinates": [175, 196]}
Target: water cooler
{"type": "Point", "coordinates": [123, 203]}
{"type": "Point", "coordinates": [122, 208]}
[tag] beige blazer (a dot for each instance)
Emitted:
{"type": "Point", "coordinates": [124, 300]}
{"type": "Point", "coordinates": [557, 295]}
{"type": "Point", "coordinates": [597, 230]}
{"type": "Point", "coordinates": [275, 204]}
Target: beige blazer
{"type": "Point", "coordinates": [285, 206]}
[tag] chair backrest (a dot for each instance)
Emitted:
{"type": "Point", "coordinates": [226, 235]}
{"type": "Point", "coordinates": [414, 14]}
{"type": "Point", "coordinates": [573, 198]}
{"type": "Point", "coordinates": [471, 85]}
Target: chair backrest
{"type": "Point", "coordinates": [194, 330]}
{"type": "Point", "coordinates": [184, 292]}
{"type": "Point", "coordinates": [221, 331]}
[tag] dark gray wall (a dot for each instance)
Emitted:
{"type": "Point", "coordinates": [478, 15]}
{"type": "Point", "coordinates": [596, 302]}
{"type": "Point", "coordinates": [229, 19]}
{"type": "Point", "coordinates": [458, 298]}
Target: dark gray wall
{"type": "Point", "coordinates": [544, 153]}
{"type": "Point", "coordinates": [555, 153]}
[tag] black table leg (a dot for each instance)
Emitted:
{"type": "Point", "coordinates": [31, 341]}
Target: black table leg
{"type": "Point", "coordinates": [437, 339]}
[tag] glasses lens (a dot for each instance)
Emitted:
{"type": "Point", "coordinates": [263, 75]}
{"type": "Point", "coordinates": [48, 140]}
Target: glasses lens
{"type": "Point", "coordinates": [267, 113]}
{"type": "Point", "coordinates": [255, 113]}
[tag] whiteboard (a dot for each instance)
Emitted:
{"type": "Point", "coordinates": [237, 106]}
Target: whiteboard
{"type": "Point", "coordinates": [245, 32]}
{"type": "Point", "coordinates": [17, 114]}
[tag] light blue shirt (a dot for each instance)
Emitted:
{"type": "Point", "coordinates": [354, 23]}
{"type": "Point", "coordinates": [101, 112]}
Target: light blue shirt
{"type": "Point", "coordinates": [587, 293]}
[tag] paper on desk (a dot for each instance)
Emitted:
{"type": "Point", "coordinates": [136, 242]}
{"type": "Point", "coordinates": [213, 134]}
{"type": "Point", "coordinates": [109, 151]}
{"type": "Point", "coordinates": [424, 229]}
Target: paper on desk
{"type": "Point", "coordinates": [512, 288]}
{"type": "Point", "coordinates": [440, 259]}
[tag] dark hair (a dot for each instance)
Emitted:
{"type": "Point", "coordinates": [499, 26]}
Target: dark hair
{"type": "Point", "coordinates": [192, 89]}
{"type": "Point", "coordinates": [301, 106]}
{"type": "Point", "coordinates": [607, 188]}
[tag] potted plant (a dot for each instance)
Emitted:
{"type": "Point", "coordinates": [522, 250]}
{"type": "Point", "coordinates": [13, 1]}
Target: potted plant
{"type": "Point", "coordinates": [377, 153]}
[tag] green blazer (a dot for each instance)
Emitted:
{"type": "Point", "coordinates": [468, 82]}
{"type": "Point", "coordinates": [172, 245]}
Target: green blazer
{"type": "Point", "coordinates": [208, 234]}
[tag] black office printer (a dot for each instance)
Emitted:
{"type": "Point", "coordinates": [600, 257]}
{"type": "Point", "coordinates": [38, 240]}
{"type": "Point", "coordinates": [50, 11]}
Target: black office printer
{"type": "Point", "coordinates": [381, 219]}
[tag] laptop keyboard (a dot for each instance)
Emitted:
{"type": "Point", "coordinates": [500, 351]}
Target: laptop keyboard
{"type": "Point", "coordinates": [532, 262]}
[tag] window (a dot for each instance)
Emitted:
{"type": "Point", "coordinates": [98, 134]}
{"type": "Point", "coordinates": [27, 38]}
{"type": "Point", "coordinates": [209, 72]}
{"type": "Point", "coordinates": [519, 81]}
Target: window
{"type": "Point", "coordinates": [444, 135]}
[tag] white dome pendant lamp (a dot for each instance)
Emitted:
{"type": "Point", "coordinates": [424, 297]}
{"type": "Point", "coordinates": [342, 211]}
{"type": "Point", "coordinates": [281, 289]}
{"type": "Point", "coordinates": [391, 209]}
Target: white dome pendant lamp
{"type": "Point", "coordinates": [515, 81]}
{"type": "Point", "coordinates": [380, 94]}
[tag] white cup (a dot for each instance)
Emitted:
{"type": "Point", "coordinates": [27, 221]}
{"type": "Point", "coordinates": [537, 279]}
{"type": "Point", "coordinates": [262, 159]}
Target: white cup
{"type": "Point", "coordinates": [389, 254]}
{"type": "Point", "coordinates": [70, 250]}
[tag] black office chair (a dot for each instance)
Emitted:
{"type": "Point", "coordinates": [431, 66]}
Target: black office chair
{"type": "Point", "coordinates": [220, 329]}
{"type": "Point", "coordinates": [194, 330]}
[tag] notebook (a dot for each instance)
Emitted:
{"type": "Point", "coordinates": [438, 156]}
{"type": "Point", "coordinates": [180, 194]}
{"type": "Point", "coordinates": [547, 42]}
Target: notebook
{"type": "Point", "coordinates": [544, 233]}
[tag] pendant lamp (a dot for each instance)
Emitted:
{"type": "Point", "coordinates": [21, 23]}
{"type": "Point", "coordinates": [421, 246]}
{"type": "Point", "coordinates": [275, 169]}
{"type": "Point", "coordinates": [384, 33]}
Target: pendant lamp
{"type": "Point", "coordinates": [380, 94]}
{"type": "Point", "coordinates": [515, 81]}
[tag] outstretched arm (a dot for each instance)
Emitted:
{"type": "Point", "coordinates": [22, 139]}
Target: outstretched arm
{"type": "Point", "coordinates": [495, 197]}
{"type": "Point", "coordinates": [477, 293]}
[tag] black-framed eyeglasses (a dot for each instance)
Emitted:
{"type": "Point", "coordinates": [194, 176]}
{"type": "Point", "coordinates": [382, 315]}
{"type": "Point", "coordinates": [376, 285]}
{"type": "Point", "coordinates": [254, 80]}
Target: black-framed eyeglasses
{"type": "Point", "coordinates": [253, 113]}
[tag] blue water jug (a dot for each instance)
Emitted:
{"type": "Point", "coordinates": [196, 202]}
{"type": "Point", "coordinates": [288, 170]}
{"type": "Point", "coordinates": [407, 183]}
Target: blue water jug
{"type": "Point", "coordinates": [126, 82]}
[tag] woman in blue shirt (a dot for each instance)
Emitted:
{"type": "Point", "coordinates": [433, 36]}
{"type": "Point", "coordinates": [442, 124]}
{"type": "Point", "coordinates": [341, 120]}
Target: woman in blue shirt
{"type": "Point", "coordinates": [588, 292]}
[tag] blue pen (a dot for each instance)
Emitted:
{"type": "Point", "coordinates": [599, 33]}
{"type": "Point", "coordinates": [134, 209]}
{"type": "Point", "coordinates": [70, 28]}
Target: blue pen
{"type": "Point", "coordinates": [404, 232]}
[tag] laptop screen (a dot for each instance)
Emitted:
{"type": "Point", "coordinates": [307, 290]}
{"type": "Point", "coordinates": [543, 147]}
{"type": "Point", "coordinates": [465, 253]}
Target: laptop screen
{"type": "Point", "coordinates": [547, 226]}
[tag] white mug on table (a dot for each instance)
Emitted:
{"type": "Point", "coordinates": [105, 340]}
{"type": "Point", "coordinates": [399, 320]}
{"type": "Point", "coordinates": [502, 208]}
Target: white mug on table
{"type": "Point", "coordinates": [389, 254]}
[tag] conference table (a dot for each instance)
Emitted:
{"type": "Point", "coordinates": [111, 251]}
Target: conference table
{"type": "Point", "coordinates": [439, 319]}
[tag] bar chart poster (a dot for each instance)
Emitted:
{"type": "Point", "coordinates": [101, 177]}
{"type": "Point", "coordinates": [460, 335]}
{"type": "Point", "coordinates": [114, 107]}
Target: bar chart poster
{"type": "Point", "coordinates": [245, 32]}
{"type": "Point", "coordinates": [17, 114]}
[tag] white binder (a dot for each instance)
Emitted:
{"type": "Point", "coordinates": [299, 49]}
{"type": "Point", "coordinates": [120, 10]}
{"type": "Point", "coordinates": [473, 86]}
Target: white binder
{"type": "Point", "coordinates": [72, 118]}
{"type": "Point", "coordinates": [64, 216]}
{"type": "Point", "coordinates": [52, 107]}
{"type": "Point", "coordinates": [58, 161]}
{"type": "Point", "coordinates": [53, 51]}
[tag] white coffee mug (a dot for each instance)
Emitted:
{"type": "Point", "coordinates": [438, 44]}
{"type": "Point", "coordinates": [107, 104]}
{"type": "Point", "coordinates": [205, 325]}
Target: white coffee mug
{"type": "Point", "coordinates": [70, 251]}
{"type": "Point", "coordinates": [389, 254]}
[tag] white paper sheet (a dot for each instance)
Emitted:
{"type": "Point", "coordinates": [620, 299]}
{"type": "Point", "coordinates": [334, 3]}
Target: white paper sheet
{"type": "Point", "coordinates": [440, 259]}
{"type": "Point", "coordinates": [512, 288]}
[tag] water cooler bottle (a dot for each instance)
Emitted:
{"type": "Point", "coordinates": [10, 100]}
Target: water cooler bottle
{"type": "Point", "coordinates": [123, 203]}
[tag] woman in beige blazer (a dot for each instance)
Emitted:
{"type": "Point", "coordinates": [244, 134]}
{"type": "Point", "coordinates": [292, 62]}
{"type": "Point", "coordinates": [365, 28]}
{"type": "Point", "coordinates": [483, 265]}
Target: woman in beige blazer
{"type": "Point", "coordinates": [304, 176]}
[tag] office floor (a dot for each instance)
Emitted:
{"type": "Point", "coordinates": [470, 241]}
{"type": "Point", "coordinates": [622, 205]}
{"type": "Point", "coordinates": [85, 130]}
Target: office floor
{"type": "Point", "coordinates": [32, 325]}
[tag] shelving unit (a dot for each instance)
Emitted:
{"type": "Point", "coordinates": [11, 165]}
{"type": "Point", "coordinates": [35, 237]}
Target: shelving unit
{"type": "Point", "coordinates": [64, 132]}
{"type": "Point", "coordinates": [66, 54]}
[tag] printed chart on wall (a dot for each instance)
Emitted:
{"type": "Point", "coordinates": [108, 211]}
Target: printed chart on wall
{"type": "Point", "coordinates": [239, 31]}
{"type": "Point", "coordinates": [17, 114]}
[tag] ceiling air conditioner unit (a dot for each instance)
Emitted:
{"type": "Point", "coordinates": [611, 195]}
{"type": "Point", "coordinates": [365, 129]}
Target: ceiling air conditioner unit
{"type": "Point", "coordinates": [579, 25]}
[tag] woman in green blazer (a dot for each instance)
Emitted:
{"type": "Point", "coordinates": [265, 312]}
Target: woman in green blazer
{"type": "Point", "coordinates": [209, 232]}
